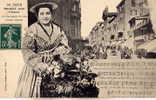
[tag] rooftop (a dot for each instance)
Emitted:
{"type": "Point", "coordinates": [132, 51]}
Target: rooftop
{"type": "Point", "coordinates": [120, 4]}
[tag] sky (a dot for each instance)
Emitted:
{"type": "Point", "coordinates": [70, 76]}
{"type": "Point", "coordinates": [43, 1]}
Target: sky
{"type": "Point", "coordinates": [91, 11]}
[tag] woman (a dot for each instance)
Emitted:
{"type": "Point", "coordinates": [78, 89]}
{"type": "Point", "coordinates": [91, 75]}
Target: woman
{"type": "Point", "coordinates": [43, 40]}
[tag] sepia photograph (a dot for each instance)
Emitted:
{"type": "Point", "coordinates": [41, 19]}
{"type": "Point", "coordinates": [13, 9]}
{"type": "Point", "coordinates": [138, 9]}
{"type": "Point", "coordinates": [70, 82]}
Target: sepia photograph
{"type": "Point", "coordinates": [53, 68]}
{"type": "Point", "coordinates": [127, 33]}
{"type": "Point", "coordinates": [57, 56]}
{"type": "Point", "coordinates": [78, 49]}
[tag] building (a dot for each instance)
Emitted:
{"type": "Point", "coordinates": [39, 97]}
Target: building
{"type": "Point", "coordinates": [118, 26]}
{"type": "Point", "coordinates": [67, 16]}
{"type": "Point", "coordinates": [141, 26]}
{"type": "Point", "coordinates": [104, 33]}
{"type": "Point", "coordinates": [95, 34]}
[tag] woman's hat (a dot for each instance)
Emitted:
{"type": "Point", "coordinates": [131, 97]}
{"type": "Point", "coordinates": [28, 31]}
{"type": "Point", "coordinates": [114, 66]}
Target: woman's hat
{"type": "Point", "coordinates": [46, 4]}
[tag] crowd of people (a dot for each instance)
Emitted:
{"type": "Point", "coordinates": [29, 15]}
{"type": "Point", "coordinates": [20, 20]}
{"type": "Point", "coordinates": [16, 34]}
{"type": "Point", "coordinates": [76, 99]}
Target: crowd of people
{"type": "Point", "coordinates": [121, 52]}
{"type": "Point", "coordinates": [99, 52]}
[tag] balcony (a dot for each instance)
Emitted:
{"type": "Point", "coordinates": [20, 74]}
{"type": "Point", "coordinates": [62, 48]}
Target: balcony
{"type": "Point", "coordinates": [141, 24]}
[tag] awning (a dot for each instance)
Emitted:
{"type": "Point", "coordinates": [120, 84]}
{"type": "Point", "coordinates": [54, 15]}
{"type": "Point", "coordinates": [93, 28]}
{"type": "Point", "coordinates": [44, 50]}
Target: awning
{"type": "Point", "coordinates": [149, 46]}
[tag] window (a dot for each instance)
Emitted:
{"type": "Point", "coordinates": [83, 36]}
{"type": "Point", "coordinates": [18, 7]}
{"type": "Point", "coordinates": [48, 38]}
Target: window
{"type": "Point", "coordinates": [74, 7]}
{"type": "Point", "coordinates": [131, 12]}
{"type": "Point", "coordinates": [146, 2]}
{"type": "Point", "coordinates": [136, 12]}
{"type": "Point", "coordinates": [133, 3]}
{"type": "Point", "coordinates": [72, 21]}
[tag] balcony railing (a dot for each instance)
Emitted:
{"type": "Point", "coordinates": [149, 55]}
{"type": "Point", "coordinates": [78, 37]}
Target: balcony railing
{"type": "Point", "coordinates": [141, 24]}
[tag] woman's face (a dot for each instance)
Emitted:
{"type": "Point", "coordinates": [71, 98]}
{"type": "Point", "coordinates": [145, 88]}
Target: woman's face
{"type": "Point", "coordinates": [44, 15]}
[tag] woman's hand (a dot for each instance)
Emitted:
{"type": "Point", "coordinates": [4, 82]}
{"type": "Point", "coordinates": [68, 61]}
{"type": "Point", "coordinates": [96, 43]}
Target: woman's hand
{"type": "Point", "coordinates": [41, 67]}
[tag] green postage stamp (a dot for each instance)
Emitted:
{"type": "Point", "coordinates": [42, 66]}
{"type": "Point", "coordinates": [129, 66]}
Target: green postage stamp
{"type": "Point", "coordinates": [10, 36]}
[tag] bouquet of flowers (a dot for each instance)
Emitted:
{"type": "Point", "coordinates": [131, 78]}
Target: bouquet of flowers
{"type": "Point", "coordinates": [69, 77]}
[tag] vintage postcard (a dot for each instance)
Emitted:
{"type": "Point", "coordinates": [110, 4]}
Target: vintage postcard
{"type": "Point", "coordinates": [77, 49]}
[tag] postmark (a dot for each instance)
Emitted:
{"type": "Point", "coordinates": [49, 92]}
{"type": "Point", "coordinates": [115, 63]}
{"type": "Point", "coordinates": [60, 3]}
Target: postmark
{"type": "Point", "coordinates": [10, 36]}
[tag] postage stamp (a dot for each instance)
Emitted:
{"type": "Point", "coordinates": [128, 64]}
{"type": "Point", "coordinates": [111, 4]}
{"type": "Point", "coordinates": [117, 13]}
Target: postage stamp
{"type": "Point", "coordinates": [10, 36]}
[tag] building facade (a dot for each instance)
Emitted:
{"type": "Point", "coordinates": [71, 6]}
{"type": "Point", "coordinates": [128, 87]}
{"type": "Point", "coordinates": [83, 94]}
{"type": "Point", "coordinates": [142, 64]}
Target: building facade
{"type": "Point", "coordinates": [140, 25]}
{"type": "Point", "coordinates": [119, 26]}
{"type": "Point", "coordinates": [96, 33]}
